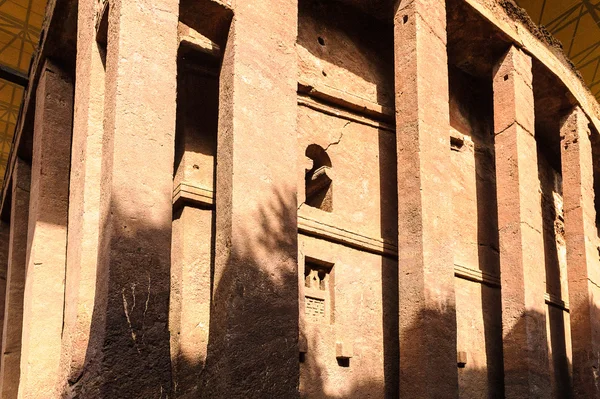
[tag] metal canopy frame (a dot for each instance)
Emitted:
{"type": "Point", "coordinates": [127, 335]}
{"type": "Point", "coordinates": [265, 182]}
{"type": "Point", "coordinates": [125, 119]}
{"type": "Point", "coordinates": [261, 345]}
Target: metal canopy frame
{"type": "Point", "coordinates": [20, 28]}
{"type": "Point", "coordinates": [576, 23]}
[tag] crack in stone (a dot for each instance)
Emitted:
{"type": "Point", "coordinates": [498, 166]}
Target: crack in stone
{"type": "Point", "coordinates": [145, 311]}
{"type": "Point", "coordinates": [133, 336]}
{"type": "Point", "coordinates": [340, 138]}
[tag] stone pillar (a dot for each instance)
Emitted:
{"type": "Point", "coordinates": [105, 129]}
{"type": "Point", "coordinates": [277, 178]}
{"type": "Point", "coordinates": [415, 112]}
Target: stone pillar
{"type": "Point", "coordinates": [47, 235]}
{"type": "Point", "coordinates": [190, 296]}
{"type": "Point", "coordinates": [582, 254]}
{"type": "Point", "coordinates": [526, 364]}
{"type": "Point", "coordinates": [84, 195]}
{"type": "Point", "coordinates": [193, 212]}
{"type": "Point", "coordinates": [128, 347]}
{"type": "Point", "coordinates": [17, 256]}
{"type": "Point", "coordinates": [426, 267]}
{"type": "Point", "coordinates": [253, 345]}
{"type": "Point", "coordinates": [4, 248]}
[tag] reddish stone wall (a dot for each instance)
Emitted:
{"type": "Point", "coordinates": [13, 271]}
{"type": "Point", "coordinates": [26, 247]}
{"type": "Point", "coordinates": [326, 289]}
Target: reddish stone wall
{"type": "Point", "coordinates": [317, 199]}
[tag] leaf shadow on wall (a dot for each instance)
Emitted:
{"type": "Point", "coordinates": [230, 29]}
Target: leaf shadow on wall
{"type": "Point", "coordinates": [127, 367]}
{"type": "Point", "coordinates": [128, 350]}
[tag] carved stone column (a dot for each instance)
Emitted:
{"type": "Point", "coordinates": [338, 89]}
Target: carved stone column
{"type": "Point", "coordinates": [522, 267]}
{"type": "Point", "coordinates": [15, 282]}
{"type": "Point", "coordinates": [84, 194]}
{"type": "Point", "coordinates": [425, 242]}
{"type": "Point", "coordinates": [253, 344]}
{"type": "Point", "coordinates": [583, 266]}
{"type": "Point", "coordinates": [128, 349]}
{"type": "Point", "coordinates": [47, 235]}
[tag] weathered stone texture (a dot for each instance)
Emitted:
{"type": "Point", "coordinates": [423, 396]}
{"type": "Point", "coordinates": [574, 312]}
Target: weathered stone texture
{"type": "Point", "coordinates": [129, 327]}
{"type": "Point", "coordinates": [526, 365]}
{"type": "Point", "coordinates": [254, 317]}
{"type": "Point", "coordinates": [299, 198]}
{"type": "Point", "coordinates": [582, 254]}
{"type": "Point", "coordinates": [359, 320]}
{"type": "Point", "coordinates": [47, 235]}
{"type": "Point", "coordinates": [345, 51]}
{"type": "Point", "coordinates": [197, 118]}
{"type": "Point", "coordinates": [17, 256]}
{"type": "Point", "coordinates": [190, 296]}
{"type": "Point", "coordinates": [555, 259]}
{"type": "Point", "coordinates": [479, 337]}
{"type": "Point", "coordinates": [84, 198]}
{"type": "Point", "coordinates": [475, 230]}
{"type": "Point", "coordinates": [426, 275]}
{"type": "Point", "coordinates": [193, 219]}
{"type": "Point", "coordinates": [363, 170]}
{"type": "Point", "coordinates": [4, 256]}
{"type": "Point", "coordinates": [349, 338]}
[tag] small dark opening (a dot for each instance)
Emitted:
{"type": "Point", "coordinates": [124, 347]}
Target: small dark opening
{"type": "Point", "coordinates": [505, 77]}
{"type": "Point", "coordinates": [321, 41]}
{"type": "Point", "coordinates": [405, 19]}
{"type": "Point", "coordinates": [456, 143]}
{"type": "Point", "coordinates": [343, 362]}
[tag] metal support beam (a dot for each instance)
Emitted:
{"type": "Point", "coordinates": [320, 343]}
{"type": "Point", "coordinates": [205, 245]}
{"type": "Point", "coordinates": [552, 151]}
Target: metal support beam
{"type": "Point", "coordinates": [13, 76]}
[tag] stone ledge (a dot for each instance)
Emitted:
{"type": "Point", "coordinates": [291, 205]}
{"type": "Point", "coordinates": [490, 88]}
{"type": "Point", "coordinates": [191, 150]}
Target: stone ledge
{"type": "Point", "coordinates": [376, 245]}
{"type": "Point", "coordinates": [307, 101]}
{"type": "Point", "coordinates": [202, 197]}
{"type": "Point", "coordinates": [189, 193]}
{"type": "Point", "coordinates": [347, 101]}
{"type": "Point", "coordinates": [476, 275]}
{"type": "Point", "coordinates": [556, 301]}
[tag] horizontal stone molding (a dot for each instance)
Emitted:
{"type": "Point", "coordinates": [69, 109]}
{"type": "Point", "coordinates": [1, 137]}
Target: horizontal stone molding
{"type": "Point", "coordinates": [347, 101]}
{"type": "Point", "coordinates": [476, 275]}
{"type": "Point", "coordinates": [199, 196]}
{"type": "Point", "coordinates": [376, 245]}
{"type": "Point", "coordinates": [318, 105]}
{"type": "Point", "coordinates": [556, 301]}
{"type": "Point", "coordinates": [193, 194]}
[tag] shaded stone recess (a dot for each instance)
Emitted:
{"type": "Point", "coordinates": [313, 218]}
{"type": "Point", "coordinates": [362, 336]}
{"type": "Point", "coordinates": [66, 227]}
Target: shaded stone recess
{"type": "Point", "coordinates": [352, 349]}
{"type": "Point", "coordinates": [476, 233]}
{"type": "Point", "coordinates": [300, 199]}
{"type": "Point", "coordinates": [193, 205]}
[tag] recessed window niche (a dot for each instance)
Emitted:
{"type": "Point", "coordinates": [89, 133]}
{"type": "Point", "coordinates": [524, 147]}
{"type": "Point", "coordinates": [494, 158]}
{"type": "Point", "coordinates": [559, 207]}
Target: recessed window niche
{"type": "Point", "coordinates": [317, 292]}
{"type": "Point", "coordinates": [318, 181]}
